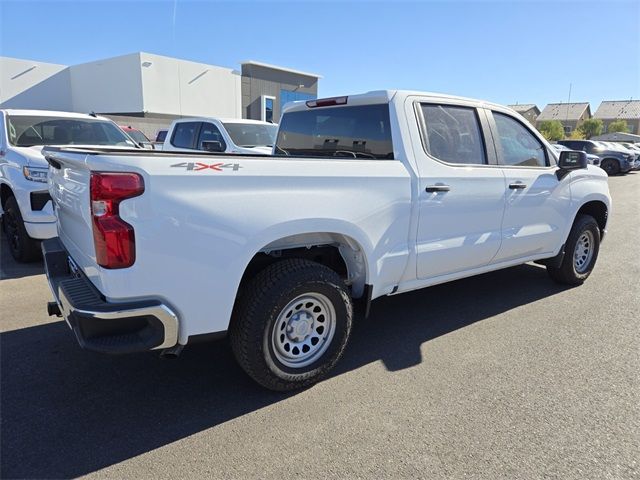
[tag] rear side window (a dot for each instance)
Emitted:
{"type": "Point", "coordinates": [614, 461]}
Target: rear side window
{"type": "Point", "coordinates": [518, 145]}
{"type": "Point", "coordinates": [184, 135]}
{"type": "Point", "coordinates": [208, 133]}
{"type": "Point", "coordinates": [162, 134]}
{"type": "Point", "coordinates": [453, 134]}
{"type": "Point", "coordinates": [352, 132]}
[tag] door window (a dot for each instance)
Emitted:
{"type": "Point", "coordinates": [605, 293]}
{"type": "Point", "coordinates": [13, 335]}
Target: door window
{"type": "Point", "coordinates": [453, 134]}
{"type": "Point", "coordinates": [518, 145]}
{"type": "Point", "coordinates": [208, 133]}
{"type": "Point", "coordinates": [184, 135]}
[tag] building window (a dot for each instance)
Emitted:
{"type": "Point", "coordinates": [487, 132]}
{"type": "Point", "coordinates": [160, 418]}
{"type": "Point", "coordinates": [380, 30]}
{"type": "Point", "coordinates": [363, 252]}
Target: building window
{"type": "Point", "coordinates": [287, 96]}
{"type": "Point", "coordinates": [567, 130]}
{"type": "Point", "coordinates": [267, 108]}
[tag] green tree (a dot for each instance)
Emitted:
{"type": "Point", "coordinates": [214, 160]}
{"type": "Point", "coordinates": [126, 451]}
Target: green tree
{"type": "Point", "coordinates": [618, 126]}
{"type": "Point", "coordinates": [552, 130]}
{"type": "Point", "coordinates": [577, 134]}
{"type": "Point", "coordinates": [591, 127]}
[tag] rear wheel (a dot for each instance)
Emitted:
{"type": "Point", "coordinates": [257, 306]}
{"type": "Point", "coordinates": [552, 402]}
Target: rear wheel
{"type": "Point", "coordinates": [22, 246]}
{"type": "Point", "coordinates": [612, 167]}
{"type": "Point", "coordinates": [581, 252]}
{"type": "Point", "coordinates": [291, 324]}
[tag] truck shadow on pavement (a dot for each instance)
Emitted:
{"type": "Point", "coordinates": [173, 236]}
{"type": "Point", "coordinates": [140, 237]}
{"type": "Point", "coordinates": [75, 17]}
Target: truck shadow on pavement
{"type": "Point", "coordinates": [67, 412]}
{"type": "Point", "coordinates": [9, 268]}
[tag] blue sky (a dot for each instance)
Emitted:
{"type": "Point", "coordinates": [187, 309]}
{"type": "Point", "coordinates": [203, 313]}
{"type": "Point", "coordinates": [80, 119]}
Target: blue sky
{"type": "Point", "coordinates": [507, 52]}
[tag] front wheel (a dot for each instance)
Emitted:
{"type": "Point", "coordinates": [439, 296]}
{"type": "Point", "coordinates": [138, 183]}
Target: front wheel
{"type": "Point", "coordinates": [612, 167]}
{"type": "Point", "coordinates": [22, 246]}
{"type": "Point", "coordinates": [581, 252]}
{"type": "Point", "coordinates": [291, 324]}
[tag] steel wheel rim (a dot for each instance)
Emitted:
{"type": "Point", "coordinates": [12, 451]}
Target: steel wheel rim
{"type": "Point", "coordinates": [303, 330]}
{"type": "Point", "coordinates": [583, 252]}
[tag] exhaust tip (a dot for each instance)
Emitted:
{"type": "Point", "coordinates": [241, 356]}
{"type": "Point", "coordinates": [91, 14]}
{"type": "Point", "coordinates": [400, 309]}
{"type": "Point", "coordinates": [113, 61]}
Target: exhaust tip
{"type": "Point", "coordinates": [171, 353]}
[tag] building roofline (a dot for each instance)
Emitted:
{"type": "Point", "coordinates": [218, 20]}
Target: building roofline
{"type": "Point", "coordinates": [283, 69]}
{"type": "Point", "coordinates": [620, 101]}
{"type": "Point", "coordinates": [568, 103]}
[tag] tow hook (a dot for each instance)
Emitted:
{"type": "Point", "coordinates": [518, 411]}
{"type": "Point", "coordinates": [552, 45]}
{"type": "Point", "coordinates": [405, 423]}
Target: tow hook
{"type": "Point", "coordinates": [53, 309]}
{"type": "Point", "coordinates": [172, 352]}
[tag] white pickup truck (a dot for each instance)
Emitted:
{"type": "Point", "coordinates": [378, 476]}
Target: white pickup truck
{"type": "Point", "coordinates": [220, 135]}
{"type": "Point", "coordinates": [25, 206]}
{"type": "Point", "coordinates": [367, 195]}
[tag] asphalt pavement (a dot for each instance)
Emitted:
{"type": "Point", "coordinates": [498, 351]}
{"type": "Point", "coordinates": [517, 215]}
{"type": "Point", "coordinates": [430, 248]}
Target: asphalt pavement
{"type": "Point", "coordinates": [504, 375]}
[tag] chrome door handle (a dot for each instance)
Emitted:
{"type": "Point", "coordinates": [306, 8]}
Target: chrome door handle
{"type": "Point", "coordinates": [437, 188]}
{"type": "Point", "coordinates": [517, 186]}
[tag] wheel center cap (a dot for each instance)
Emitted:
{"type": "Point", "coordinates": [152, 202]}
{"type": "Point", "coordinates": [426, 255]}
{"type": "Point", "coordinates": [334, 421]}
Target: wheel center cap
{"type": "Point", "coordinates": [300, 326]}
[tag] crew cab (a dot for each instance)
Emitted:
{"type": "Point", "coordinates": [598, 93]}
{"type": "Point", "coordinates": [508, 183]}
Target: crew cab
{"type": "Point", "coordinates": [220, 135]}
{"type": "Point", "coordinates": [25, 206]}
{"type": "Point", "coordinates": [366, 195]}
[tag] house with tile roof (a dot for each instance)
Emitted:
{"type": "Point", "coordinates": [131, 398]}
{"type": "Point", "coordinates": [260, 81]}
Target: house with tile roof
{"type": "Point", "coordinates": [627, 110]}
{"type": "Point", "coordinates": [571, 115]}
{"type": "Point", "coordinates": [529, 111]}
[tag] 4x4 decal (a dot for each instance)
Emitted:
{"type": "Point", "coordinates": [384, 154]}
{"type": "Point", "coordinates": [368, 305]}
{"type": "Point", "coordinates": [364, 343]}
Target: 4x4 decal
{"type": "Point", "coordinates": [197, 166]}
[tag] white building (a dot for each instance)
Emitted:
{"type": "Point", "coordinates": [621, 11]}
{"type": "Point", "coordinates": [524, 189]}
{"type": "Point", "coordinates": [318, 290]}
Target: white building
{"type": "Point", "coordinates": [148, 91]}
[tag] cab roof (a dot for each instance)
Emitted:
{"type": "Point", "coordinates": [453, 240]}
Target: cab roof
{"type": "Point", "coordinates": [51, 113]}
{"type": "Point", "coordinates": [386, 96]}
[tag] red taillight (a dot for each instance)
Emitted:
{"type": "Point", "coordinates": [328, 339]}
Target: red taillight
{"type": "Point", "coordinates": [114, 239]}
{"type": "Point", "coordinates": [327, 102]}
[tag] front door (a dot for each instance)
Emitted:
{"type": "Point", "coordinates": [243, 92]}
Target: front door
{"type": "Point", "coordinates": [536, 202]}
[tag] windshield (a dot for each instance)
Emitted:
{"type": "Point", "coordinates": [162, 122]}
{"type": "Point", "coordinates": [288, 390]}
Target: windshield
{"type": "Point", "coordinates": [137, 135]}
{"type": "Point", "coordinates": [27, 131]}
{"type": "Point", "coordinates": [251, 134]}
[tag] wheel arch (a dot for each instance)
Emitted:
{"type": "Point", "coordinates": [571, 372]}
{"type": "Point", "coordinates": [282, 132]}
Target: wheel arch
{"type": "Point", "coordinates": [339, 251]}
{"type": "Point", "coordinates": [5, 193]}
{"type": "Point", "coordinates": [598, 210]}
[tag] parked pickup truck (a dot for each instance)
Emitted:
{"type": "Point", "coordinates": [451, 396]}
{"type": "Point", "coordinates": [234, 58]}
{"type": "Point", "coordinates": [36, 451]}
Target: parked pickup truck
{"type": "Point", "coordinates": [25, 206]}
{"type": "Point", "coordinates": [367, 195]}
{"type": "Point", "coordinates": [220, 135]}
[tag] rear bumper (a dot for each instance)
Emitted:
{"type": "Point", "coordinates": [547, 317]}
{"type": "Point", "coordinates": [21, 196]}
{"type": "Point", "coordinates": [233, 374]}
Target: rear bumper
{"type": "Point", "coordinates": [103, 326]}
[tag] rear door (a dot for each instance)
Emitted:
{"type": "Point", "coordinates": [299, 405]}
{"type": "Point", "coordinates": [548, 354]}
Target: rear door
{"type": "Point", "coordinates": [461, 189]}
{"type": "Point", "coordinates": [536, 201]}
{"type": "Point", "coordinates": [185, 136]}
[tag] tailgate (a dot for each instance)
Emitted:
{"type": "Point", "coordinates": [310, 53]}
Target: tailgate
{"type": "Point", "coordinates": [69, 177]}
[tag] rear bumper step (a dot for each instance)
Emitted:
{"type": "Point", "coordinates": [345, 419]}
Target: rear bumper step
{"type": "Point", "coordinates": [99, 325]}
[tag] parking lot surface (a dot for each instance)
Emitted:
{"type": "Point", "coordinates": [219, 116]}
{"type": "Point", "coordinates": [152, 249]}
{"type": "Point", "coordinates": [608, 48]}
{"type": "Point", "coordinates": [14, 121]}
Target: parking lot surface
{"type": "Point", "coordinates": [504, 375]}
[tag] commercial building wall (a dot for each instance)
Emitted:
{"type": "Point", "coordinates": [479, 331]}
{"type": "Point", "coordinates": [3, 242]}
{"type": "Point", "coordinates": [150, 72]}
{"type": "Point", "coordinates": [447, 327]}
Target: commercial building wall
{"type": "Point", "coordinates": [106, 86]}
{"type": "Point", "coordinates": [178, 87]}
{"type": "Point", "coordinates": [147, 85]}
{"type": "Point", "coordinates": [281, 84]}
{"type": "Point", "coordinates": [34, 85]}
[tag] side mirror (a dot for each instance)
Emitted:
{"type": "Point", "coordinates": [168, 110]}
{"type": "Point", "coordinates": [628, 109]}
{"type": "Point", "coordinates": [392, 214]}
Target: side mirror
{"type": "Point", "coordinates": [214, 146]}
{"type": "Point", "coordinates": [571, 160]}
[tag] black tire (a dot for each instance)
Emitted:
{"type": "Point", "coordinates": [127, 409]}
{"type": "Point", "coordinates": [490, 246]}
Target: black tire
{"type": "Point", "coordinates": [23, 248]}
{"type": "Point", "coordinates": [612, 167]}
{"type": "Point", "coordinates": [259, 307]}
{"type": "Point", "coordinates": [567, 273]}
